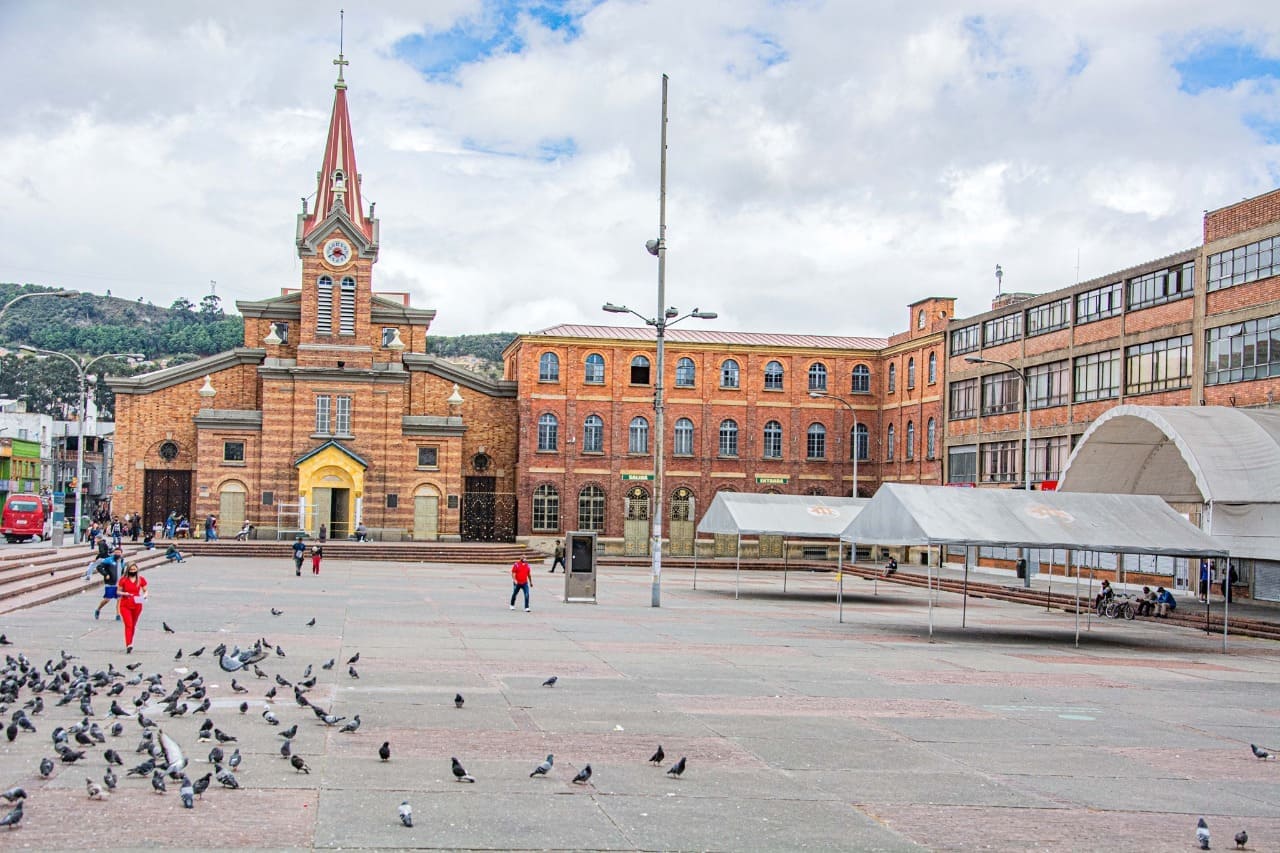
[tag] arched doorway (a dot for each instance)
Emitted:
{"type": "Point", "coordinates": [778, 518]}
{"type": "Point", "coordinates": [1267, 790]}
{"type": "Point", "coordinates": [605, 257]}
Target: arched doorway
{"type": "Point", "coordinates": [426, 514]}
{"type": "Point", "coordinates": [635, 532]}
{"type": "Point", "coordinates": [682, 525]}
{"type": "Point", "coordinates": [331, 480]}
{"type": "Point", "coordinates": [231, 504]}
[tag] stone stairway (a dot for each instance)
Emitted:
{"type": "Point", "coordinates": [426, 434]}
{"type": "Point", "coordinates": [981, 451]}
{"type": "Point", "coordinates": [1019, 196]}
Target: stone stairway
{"type": "Point", "coordinates": [390, 552]}
{"type": "Point", "coordinates": [30, 577]}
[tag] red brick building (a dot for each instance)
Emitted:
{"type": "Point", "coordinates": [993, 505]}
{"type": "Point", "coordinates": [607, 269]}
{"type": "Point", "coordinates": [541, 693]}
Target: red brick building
{"type": "Point", "coordinates": [331, 413]}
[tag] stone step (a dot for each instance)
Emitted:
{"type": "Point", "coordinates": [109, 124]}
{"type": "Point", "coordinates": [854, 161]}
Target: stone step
{"type": "Point", "coordinates": [61, 582]}
{"type": "Point", "coordinates": [420, 552]}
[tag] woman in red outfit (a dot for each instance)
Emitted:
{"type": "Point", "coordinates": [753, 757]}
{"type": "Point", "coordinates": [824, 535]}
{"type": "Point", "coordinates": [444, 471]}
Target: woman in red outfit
{"type": "Point", "coordinates": [133, 591]}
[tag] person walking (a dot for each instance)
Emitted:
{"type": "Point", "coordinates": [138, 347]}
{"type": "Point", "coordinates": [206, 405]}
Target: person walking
{"type": "Point", "coordinates": [171, 524]}
{"type": "Point", "coordinates": [317, 553]}
{"type": "Point", "coordinates": [521, 579]}
{"type": "Point", "coordinates": [133, 592]}
{"type": "Point", "coordinates": [1204, 579]}
{"type": "Point", "coordinates": [110, 567]}
{"type": "Point", "coordinates": [299, 554]}
{"type": "Point", "coordinates": [1228, 581]}
{"type": "Point", "coordinates": [558, 559]}
{"type": "Point", "coordinates": [211, 528]}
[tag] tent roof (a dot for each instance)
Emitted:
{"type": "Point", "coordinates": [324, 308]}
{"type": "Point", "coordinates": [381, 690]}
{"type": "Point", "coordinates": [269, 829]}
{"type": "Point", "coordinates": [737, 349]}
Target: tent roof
{"type": "Point", "coordinates": [795, 515]}
{"type": "Point", "coordinates": [1192, 454]}
{"type": "Point", "coordinates": [933, 515]}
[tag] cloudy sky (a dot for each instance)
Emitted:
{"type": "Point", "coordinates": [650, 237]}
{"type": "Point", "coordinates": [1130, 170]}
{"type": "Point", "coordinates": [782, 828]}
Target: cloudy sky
{"type": "Point", "coordinates": [830, 162]}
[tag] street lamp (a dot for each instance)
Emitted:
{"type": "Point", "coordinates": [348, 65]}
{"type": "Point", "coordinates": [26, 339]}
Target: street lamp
{"type": "Point", "coordinates": [82, 368]}
{"type": "Point", "coordinates": [1026, 417]}
{"type": "Point", "coordinates": [820, 394]}
{"type": "Point", "coordinates": [57, 294]}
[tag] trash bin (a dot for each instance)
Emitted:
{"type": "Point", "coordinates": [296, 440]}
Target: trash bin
{"type": "Point", "coordinates": [1022, 568]}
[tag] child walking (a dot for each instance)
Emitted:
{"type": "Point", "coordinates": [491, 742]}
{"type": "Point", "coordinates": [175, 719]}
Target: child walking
{"type": "Point", "coordinates": [316, 553]}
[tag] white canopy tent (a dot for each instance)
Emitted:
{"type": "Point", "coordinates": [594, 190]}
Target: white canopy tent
{"type": "Point", "coordinates": [938, 515]}
{"type": "Point", "coordinates": [801, 516]}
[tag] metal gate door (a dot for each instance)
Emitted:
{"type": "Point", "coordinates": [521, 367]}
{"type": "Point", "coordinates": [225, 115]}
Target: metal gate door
{"type": "Point", "coordinates": [771, 546]}
{"type": "Point", "coordinates": [726, 545]}
{"type": "Point", "coordinates": [636, 530]}
{"type": "Point", "coordinates": [164, 492]}
{"type": "Point", "coordinates": [681, 534]}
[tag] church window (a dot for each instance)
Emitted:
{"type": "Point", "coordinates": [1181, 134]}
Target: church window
{"type": "Point", "coordinates": [322, 414]}
{"type": "Point", "coordinates": [324, 305]}
{"type": "Point", "coordinates": [233, 451]}
{"type": "Point", "coordinates": [343, 420]}
{"type": "Point", "coordinates": [549, 367]}
{"type": "Point", "coordinates": [347, 307]}
{"type": "Point", "coordinates": [428, 457]}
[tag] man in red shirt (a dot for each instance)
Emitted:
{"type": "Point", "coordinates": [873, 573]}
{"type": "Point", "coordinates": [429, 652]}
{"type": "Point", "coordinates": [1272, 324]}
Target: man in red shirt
{"type": "Point", "coordinates": [521, 580]}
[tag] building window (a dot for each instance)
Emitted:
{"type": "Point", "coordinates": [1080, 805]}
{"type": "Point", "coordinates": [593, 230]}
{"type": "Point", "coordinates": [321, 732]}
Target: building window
{"type": "Point", "coordinates": [911, 373]}
{"type": "Point", "coordinates": [773, 440]}
{"type": "Point", "coordinates": [1243, 351]}
{"type": "Point", "coordinates": [322, 414]}
{"type": "Point", "coordinates": [1000, 462]}
{"type": "Point", "coordinates": [342, 425]}
{"type": "Point", "coordinates": [593, 434]}
{"type": "Point", "coordinates": [233, 451]}
{"type": "Point", "coordinates": [548, 433]}
{"type": "Point", "coordinates": [639, 370]}
{"type": "Point", "coordinates": [818, 377]}
{"type": "Point", "coordinates": [931, 440]}
{"type": "Point", "coordinates": [816, 442]}
{"type": "Point", "coordinates": [911, 440]}
{"type": "Point", "coordinates": [933, 367]}
{"type": "Point", "coordinates": [683, 438]}
{"type": "Point", "coordinates": [638, 436]}
{"type": "Point", "coordinates": [728, 438]}
{"type": "Point", "coordinates": [282, 332]}
{"type": "Point", "coordinates": [1100, 303]}
{"type": "Point", "coordinates": [773, 376]}
{"type": "Point", "coordinates": [593, 371]}
{"type": "Point", "coordinates": [347, 307]}
{"type": "Point", "coordinates": [1156, 288]}
{"type": "Point", "coordinates": [1049, 457]}
{"type": "Point", "coordinates": [428, 457]}
{"type": "Point", "coordinates": [546, 508]}
{"type": "Point", "coordinates": [1049, 318]}
{"type": "Point", "coordinates": [549, 367]}
{"type": "Point", "coordinates": [1049, 384]}
{"type": "Point", "coordinates": [685, 373]}
{"type": "Point", "coordinates": [1245, 264]}
{"type": "Point", "coordinates": [893, 378]}
{"type": "Point", "coordinates": [591, 509]}
{"type": "Point", "coordinates": [889, 444]}
{"type": "Point", "coordinates": [861, 441]}
{"type": "Point", "coordinates": [920, 319]}
{"type": "Point", "coordinates": [324, 305]}
{"type": "Point", "coordinates": [1097, 376]}
{"type": "Point", "coordinates": [861, 380]}
{"type": "Point", "coordinates": [1158, 366]}
{"type": "Point", "coordinates": [964, 399]}
{"type": "Point", "coordinates": [1000, 393]}
{"type": "Point", "coordinates": [962, 464]}
{"type": "Point", "coordinates": [729, 374]}
{"type": "Point", "coordinates": [965, 340]}
{"type": "Point", "coordinates": [1001, 330]}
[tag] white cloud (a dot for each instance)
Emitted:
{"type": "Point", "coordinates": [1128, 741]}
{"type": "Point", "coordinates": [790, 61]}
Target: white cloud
{"type": "Point", "coordinates": [829, 162]}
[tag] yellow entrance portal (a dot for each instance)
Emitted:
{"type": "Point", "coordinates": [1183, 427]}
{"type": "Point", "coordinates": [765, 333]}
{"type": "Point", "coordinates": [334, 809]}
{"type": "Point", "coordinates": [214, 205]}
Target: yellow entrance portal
{"type": "Point", "coordinates": [331, 481]}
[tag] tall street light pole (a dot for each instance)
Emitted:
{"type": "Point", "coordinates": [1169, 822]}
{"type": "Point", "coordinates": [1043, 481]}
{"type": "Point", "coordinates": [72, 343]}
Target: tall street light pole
{"type": "Point", "coordinates": [57, 294]}
{"type": "Point", "coordinates": [1026, 419]}
{"type": "Point", "coordinates": [854, 414]}
{"type": "Point", "coordinates": [82, 368]}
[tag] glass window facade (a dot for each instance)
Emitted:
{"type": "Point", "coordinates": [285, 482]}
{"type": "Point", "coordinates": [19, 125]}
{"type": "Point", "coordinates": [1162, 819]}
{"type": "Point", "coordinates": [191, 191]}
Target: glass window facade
{"type": "Point", "coordinates": [1158, 366]}
{"type": "Point", "coordinates": [683, 438]}
{"type": "Point", "coordinates": [728, 438]}
{"type": "Point", "coordinates": [1049, 457]}
{"type": "Point", "coordinates": [1100, 303]}
{"type": "Point", "coordinates": [549, 367]}
{"type": "Point", "coordinates": [816, 442]}
{"type": "Point", "coordinates": [965, 340]}
{"type": "Point", "coordinates": [591, 509]}
{"type": "Point", "coordinates": [1000, 462]}
{"type": "Point", "coordinates": [1244, 264]}
{"type": "Point", "coordinates": [638, 436]}
{"type": "Point", "coordinates": [963, 399]}
{"type": "Point", "coordinates": [593, 371]}
{"type": "Point", "coordinates": [962, 464]}
{"type": "Point", "coordinates": [1156, 288]}
{"type": "Point", "coordinates": [546, 508]}
{"type": "Point", "coordinates": [773, 376]}
{"type": "Point", "coordinates": [593, 434]}
{"type": "Point", "coordinates": [1049, 384]}
{"type": "Point", "coordinates": [861, 380]}
{"type": "Point", "coordinates": [773, 440]}
{"type": "Point", "coordinates": [1242, 352]}
{"type": "Point", "coordinates": [729, 374]}
{"type": "Point", "coordinates": [1000, 393]}
{"type": "Point", "coordinates": [1049, 318]}
{"type": "Point", "coordinates": [818, 377]}
{"type": "Point", "coordinates": [548, 433]}
{"type": "Point", "coordinates": [685, 373]}
{"type": "Point", "coordinates": [1097, 376]}
{"type": "Point", "coordinates": [1000, 330]}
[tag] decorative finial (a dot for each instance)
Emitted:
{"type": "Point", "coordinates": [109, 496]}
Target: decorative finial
{"type": "Point", "coordinates": [340, 61]}
{"type": "Point", "coordinates": [455, 399]}
{"type": "Point", "coordinates": [207, 390]}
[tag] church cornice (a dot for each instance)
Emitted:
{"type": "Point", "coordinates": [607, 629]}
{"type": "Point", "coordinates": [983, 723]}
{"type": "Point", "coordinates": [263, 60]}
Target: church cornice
{"type": "Point", "coordinates": [421, 362]}
{"type": "Point", "coordinates": [384, 310]}
{"type": "Point", "coordinates": [390, 375]}
{"type": "Point", "coordinates": [229, 419]}
{"type": "Point", "coordinates": [148, 383]}
{"type": "Point", "coordinates": [432, 425]}
{"type": "Point", "coordinates": [287, 306]}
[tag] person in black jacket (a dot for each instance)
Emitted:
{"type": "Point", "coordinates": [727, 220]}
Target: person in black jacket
{"type": "Point", "coordinates": [110, 568]}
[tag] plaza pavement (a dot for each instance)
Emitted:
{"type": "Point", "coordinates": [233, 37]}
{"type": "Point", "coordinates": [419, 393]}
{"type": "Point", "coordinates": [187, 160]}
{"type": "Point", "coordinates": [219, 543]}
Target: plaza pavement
{"type": "Point", "coordinates": [801, 733]}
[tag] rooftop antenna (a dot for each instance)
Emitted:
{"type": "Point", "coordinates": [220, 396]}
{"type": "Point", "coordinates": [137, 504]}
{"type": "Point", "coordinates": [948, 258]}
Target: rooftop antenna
{"type": "Point", "coordinates": [1077, 264]}
{"type": "Point", "coordinates": [340, 61]}
{"type": "Point", "coordinates": [213, 287]}
{"type": "Point", "coordinates": [999, 279]}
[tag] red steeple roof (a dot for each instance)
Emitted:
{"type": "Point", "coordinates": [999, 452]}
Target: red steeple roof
{"type": "Point", "coordinates": [339, 183]}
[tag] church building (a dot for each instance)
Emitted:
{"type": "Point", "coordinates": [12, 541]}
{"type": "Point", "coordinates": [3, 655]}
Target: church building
{"type": "Point", "coordinates": [331, 413]}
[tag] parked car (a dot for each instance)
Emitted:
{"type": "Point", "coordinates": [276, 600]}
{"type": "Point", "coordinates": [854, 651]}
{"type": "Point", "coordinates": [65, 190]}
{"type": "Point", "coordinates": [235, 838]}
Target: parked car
{"type": "Point", "coordinates": [24, 517]}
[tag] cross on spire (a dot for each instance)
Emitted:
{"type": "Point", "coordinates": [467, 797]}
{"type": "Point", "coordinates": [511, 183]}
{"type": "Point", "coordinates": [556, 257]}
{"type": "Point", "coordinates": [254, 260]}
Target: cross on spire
{"type": "Point", "coordinates": [340, 61]}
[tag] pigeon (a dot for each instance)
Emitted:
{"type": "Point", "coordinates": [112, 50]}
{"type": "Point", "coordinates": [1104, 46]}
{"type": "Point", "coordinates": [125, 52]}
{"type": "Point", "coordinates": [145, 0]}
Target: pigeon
{"type": "Point", "coordinates": [157, 781]}
{"type": "Point", "coordinates": [299, 764]}
{"type": "Point", "coordinates": [270, 716]}
{"type": "Point", "coordinates": [5, 641]}
{"type": "Point", "coordinates": [1202, 834]}
{"type": "Point", "coordinates": [188, 793]}
{"type": "Point", "coordinates": [583, 775]}
{"type": "Point", "coordinates": [206, 729]}
{"type": "Point", "coordinates": [70, 756]}
{"type": "Point", "coordinates": [351, 727]}
{"type": "Point", "coordinates": [202, 784]}
{"type": "Point", "coordinates": [234, 760]}
{"type": "Point", "coordinates": [11, 732]}
{"type": "Point", "coordinates": [46, 767]}
{"type": "Point", "coordinates": [459, 773]}
{"type": "Point", "coordinates": [328, 664]}
{"type": "Point", "coordinates": [117, 729]}
{"type": "Point", "coordinates": [1242, 838]}
{"type": "Point", "coordinates": [257, 670]}
{"type": "Point", "coordinates": [458, 700]}
{"type": "Point", "coordinates": [203, 707]}
{"type": "Point", "coordinates": [93, 788]}
{"type": "Point", "coordinates": [280, 652]}
{"type": "Point", "coordinates": [113, 757]}
{"type": "Point", "coordinates": [216, 755]}
{"type": "Point", "coordinates": [226, 779]}
{"type": "Point", "coordinates": [223, 737]}
{"type": "Point", "coordinates": [331, 719]}
{"type": "Point", "coordinates": [197, 652]}
{"type": "Point", "coordinates": [312, 623]}
{"type": "Point", "coordinates": [143, 769]}
{"type": "Point", "coordinates": [544, 768]}
{"type": "Point", "coordinates": [11, 819]}
{"type": "Point", "coordinates": [110, 779]}
{"type": "Point", "coordinates": [286, 749]}
{"type": "Point", "coordinates": [270, 694]}
{"type": "Point", "coordinates": [237, 688]}
{"type": "Point", "coordinates": [658, 756]}
{"type": "Point", "coordinates": [677, 769]}
{"type": "Point", "coordinates": [551, 682]}
{"type": "Point", "coordinates": [14, 794]}
{"type": "Point", "coordinates": [1259, 752]}
{"type": "Point", "coordinates": [178, 656]}
{"type": "Point", "coordinates": [282, 681]}
{"type": "Point", "coordinates": [354, 658]}
{"type": "Point", "coordinates": [166, 627]}
{"type": "Point", "coordinates": [351, 671]}
{"type": "Point", "coordinates": [275, 612]}
{"type": "Point", "coordinates": [384, 751]}
{"type": "Point", "coordinates": [406, 814]}
{"type": "Point", "coordinates": [116, 711]}
{"type": "Point", "coordinates": [244, 707]}
{"type": "Point", "coordinates": [288, 734]}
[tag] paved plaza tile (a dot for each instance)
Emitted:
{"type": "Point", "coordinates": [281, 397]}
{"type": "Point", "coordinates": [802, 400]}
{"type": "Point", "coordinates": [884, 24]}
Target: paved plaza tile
{"type": "Point", "coordinates": [801, 732]}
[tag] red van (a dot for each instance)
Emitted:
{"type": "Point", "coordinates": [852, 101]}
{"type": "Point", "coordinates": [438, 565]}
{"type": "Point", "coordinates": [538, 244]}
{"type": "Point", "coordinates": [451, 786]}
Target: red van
{"type": "Point", "coordinates": [24, 517]}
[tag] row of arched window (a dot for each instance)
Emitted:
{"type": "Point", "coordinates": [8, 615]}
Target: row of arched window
{"type": "Point", "coordinates": [730, 374]}
{"type": "Point", "coordinates": [911, 373]}
{"type": "Point", "coordinates": [909, 450]}
{"type": "Point", "coordinates": [683, 437]}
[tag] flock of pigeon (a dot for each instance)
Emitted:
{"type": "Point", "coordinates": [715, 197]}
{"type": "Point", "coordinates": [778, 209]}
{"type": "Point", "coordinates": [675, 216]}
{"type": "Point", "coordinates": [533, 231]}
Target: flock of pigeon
{"type": "Point", "coordinates": [155, 709]}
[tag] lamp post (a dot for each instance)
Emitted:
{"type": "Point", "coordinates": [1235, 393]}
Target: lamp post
{"type": "Point", "coordinates": [854, 414]}
{"type": "Point", "coordinates": [82, 368]}
{"type": "Point", "coordinates": [57, 294]}
{"type": "Point", "coordinates": [1026, 418]}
